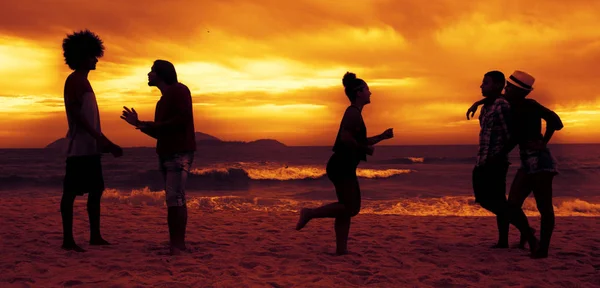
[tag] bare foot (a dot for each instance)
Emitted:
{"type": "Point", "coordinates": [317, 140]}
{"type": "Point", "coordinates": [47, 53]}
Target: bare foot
{"type": "Point", "coordinates": [534, 244]}
{"type": "Point", "coordinates": [99, 242]}
{"type": "Point", "coordinates": [500, 246]}
{"type": "Point", "coordinates": [174, 251]}
{"type": "Point", "coordinates": [539, 254]}
{"type": "Point", "coordinates": [72, 247]}
{"type": "Point", "coordinates": [524, 239]}
{"type": "Point", "coordinates": [304, 218]}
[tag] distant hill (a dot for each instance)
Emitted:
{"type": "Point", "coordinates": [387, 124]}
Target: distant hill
{"type": "Point", "coordinates": [59, 144]}
{"type": "Point", "coordinates": [272, 143]}
{"type": "Point", "coordinates": [202, 139]}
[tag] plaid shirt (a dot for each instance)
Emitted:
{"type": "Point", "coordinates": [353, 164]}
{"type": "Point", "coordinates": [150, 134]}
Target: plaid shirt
{"type": "Point", "coordinates": [494, 133]}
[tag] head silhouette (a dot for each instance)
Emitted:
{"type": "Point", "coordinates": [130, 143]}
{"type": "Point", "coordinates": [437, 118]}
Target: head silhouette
{"type": "Point", "coordinates": [82, 49]}
{"type": "Point", "coordinates": [514, 92]}
{"type": "Point", "coordinates": [356, 89]}
{"type": "Point", "coordinates": [162, 71]}
{"type": "Point", "coordinates": [492, 84]}
{"type": "Point", "coordinates": [519, 85]}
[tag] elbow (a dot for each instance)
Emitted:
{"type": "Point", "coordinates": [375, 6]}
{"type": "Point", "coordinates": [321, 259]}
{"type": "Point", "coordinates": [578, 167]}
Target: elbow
{"type": "Point", "coordinates": [559, 127]}
{"type": "Point", "coordinates": [556, 125]}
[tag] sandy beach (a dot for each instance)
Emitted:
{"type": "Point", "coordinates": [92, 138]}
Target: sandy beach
{"type": "Point", "coordinates": [262, 249]}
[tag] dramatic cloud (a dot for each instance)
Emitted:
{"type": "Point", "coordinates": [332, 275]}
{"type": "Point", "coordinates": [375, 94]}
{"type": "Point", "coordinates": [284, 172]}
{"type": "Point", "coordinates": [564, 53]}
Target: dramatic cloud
{"type": "Point", "coordinates": [268, 69]}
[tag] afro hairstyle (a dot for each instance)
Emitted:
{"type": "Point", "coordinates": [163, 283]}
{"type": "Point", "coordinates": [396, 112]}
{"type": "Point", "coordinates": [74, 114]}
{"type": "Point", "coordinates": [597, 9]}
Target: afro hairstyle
{"type": "Point", "coordinates": [81, 45]}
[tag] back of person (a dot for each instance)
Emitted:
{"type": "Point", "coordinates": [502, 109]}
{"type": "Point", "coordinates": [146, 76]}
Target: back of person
{"type": "Point", "coordinates": [528, 119]}
{"type": "Point", "coordinates": [181, 138]}
{"type": "Point", "coordinates": [80, 142]}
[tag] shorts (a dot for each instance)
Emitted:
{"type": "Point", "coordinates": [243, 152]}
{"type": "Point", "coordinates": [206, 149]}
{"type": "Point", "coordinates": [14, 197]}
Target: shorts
{"type": "Point", "coordinates": [175, 169]}
{"type": "Point", "coordinates": [341, 170]}
{"type": "Point", "coordinates": [489, 183]}
{"type": "Point", "coordinates": [536, 161]}
{"type": "Point", "coordinates": [83, 175]}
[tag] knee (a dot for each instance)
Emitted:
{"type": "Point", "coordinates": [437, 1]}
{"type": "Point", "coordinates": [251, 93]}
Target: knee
{"type": "Point", "coordinates": [514, 201]}
{"type": "Point", "coordinates": [513, 206]}
{"type": "Point", "coordinates": [174, 200]}
{"type": "Point", "coordinates": [353, 210]}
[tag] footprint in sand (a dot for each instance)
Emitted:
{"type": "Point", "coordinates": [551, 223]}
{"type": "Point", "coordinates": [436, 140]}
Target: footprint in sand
{"type": "Point", "coordinates": [22, 280]}
{"type": "Point", "coordinates": [249, 264]}
{"type": "Point", "coordinates": [421, 242]}
{"type": "Point", "coordinates": [377, 279]}
{"type": "Point", "coordinates": [469, 277]}
{"type": "Point", "coordinates": [70, 283]}
{"type": "Point", "coordinates": [122, 274]}
{"type": "Point", "coordinates": [394, 237]}
{"type": "Point", "coordinates": [360, 272]}
{"type": "Point", "coordinates": [570, 254]}
{"type": "Point", "coordinates": [422, 251]}
{"type": "Point", "coordinates": [207, 256]}
{"type": "Point", "coordinates": [275, 285]}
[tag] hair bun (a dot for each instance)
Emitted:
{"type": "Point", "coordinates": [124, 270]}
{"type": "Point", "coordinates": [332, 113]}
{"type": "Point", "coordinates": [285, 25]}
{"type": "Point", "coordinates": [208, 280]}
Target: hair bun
{"type": "Point", "coordinates": [349, 77]}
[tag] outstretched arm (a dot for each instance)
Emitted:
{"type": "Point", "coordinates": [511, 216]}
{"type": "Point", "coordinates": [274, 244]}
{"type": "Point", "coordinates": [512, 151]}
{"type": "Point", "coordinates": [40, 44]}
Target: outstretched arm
{"type": "Point", "coordinates": [131, 117]}
{"type": "Point", "coordinates": [147, 129]}
{"type": "Point", "coordinates": [387, 134]}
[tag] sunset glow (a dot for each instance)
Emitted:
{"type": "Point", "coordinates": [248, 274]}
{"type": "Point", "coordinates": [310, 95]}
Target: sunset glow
{"type": "Point", "coordinates": [262, 69]}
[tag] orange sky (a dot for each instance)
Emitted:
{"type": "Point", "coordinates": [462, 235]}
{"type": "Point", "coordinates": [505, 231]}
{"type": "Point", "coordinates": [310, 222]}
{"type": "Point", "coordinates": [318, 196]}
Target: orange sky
{"type": "Point", "coordinates": [263, 70]}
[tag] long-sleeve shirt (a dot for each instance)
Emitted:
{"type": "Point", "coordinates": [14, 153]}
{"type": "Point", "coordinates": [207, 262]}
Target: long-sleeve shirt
{"type": "Point", "coordinates": [494, 120]}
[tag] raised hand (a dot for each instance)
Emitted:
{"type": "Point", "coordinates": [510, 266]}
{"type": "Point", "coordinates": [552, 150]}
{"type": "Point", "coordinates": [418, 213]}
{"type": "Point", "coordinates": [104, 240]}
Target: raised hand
{"type": "Point", "coordinates": [130, 116]}
{"type": "Point", "coordinates": [388, 134]}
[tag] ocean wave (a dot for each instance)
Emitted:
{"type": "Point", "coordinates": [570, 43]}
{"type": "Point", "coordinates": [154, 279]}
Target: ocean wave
{"type": "Point", "coordinates": [15, 181]}
{"type": "Point", "coordinates": [444, 206]}
{"type": "Point", "coordinates": [429, 160]}
{"type": "Point", "coordinates": [290, 173]}
{"type": "Point", "coordinates": [203, 178]}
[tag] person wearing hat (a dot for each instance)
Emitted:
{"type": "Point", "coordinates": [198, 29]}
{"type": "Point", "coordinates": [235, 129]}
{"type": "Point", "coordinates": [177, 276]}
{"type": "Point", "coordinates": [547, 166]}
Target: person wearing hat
{"type": "Point", "coordinates": [538, 166]}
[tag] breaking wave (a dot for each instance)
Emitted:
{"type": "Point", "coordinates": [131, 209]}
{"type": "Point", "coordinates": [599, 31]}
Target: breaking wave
{"type": "Point", "coordinates": [290, 173]}
{"type": "Point", "coordinates": [444, 206]}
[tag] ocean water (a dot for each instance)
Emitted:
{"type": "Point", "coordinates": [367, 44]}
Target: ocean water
{"type": "Point", "coordinates": [403, 180]}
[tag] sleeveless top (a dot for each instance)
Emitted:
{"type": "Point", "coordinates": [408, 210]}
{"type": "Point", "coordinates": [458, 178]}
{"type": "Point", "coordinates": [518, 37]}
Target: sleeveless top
{"type": "Point", "coordinates": [79, 141]}
{"type": "Point", "coordinates": [359, 133]}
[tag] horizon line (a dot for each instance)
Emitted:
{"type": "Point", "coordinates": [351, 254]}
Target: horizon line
{"type": "Point", "coordinates": [308, 146]}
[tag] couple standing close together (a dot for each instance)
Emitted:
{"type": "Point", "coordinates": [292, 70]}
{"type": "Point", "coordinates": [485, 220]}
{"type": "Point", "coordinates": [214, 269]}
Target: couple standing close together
{"type": "Point", "coordinates": [173, 127]}
{"type": "Point", "coordinates": [507, 121]}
